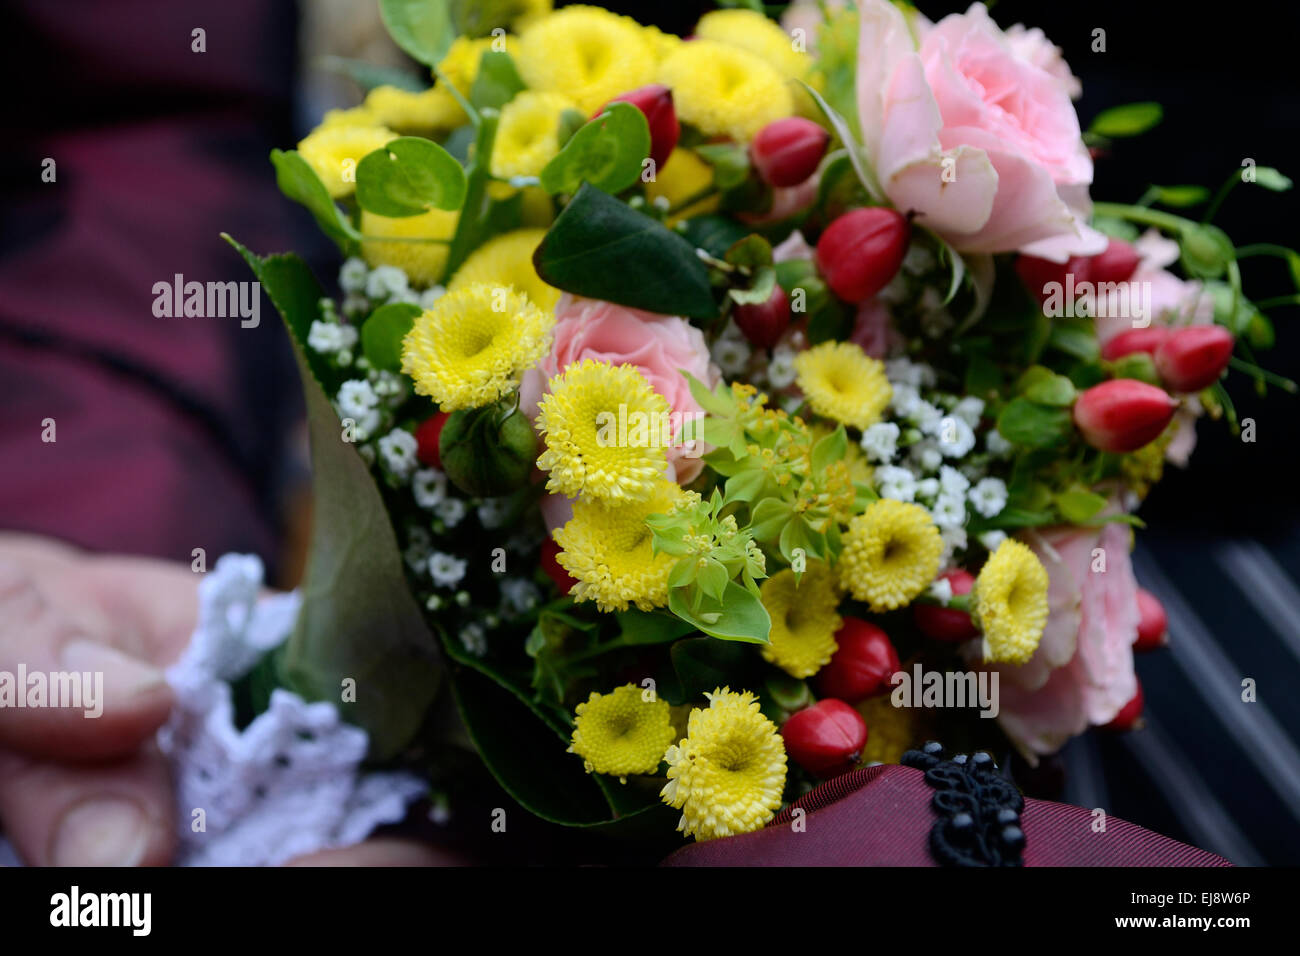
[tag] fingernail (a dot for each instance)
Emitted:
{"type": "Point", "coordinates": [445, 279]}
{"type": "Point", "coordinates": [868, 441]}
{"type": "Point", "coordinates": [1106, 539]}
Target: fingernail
{"type": "Point", "coordinates": [111, 831]}
{"type": "Point", "coordinates": [124, 677]}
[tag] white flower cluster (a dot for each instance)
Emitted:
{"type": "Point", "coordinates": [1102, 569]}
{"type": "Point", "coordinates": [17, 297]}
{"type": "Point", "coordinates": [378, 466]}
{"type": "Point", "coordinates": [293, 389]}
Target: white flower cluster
{"type": "Point", "coordinates": [364, 288]}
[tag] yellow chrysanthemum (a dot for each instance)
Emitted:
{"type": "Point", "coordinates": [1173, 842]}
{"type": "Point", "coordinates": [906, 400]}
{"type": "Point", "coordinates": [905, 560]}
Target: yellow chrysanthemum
{"type": "Point", "coordinates": [891, 731]}
{"type": "Point", "coordinates": [761, 36]}
{"type": "Point", "coordinates": [588, 54]}
{"type": "Point", "coordinates": [354, 116]}
{"type": "Point", "coordinates": [589, 449]}
{"type": "Point", "coordinates": [724, 90]}
{"type": "Point", "coordinates": [334, 151]}
{"type": "Point", "coordinates": [621, 732]}
{"type": "Point", "coordinates": [507, 260]}
{"type": "Point", "coordinates": [471, 347]}
{"type": "Point", "coordinates": [804, 619]}
{"type": "Point", "coordinates": [529, 135]}
{"type": "Point", "coordinates": [409, 112]}
{"type": "Point", "coordinates": [843, 383]}
{"type": "Point", "coordinates": [727, 774]}
{"type": "Point", "coordinates": [890, 554]}
{"type": "Point", "coordinates": [608, 550]}
{"type": "Point", "coordinates": [663, 44]}
{"type": "Point", "coordinates": [397, 242]}
{"type": "Point", "coordinates": [682, 176]}
{"type": "Point", "coordinates": [1009, 600]}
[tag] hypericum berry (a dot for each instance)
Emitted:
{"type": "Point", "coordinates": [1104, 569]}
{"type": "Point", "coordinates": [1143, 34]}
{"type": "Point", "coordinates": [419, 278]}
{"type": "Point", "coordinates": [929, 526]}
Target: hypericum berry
{"type": "Point", "coordinates": [862, 250]}
{"type": "Point", "coordinates": [787, 151]}
{"type": "Point", "coordinates": [656, 102]}
{"type": "Point", "coordinates": [1153, 623]}
{"type": "Point", "coordinates": [1194, 357]}
{"type": "Point", "coordinates": [1123, 415]}
{"type": "Point", "coordinates": [1135, 340]}
{"type": "Point", "coordinates": [1130, 715]}
{"type": "Point", "coordinates": [764, 324]}
{"type": "Point", "coordinates": [1116, 263]}
{"type": "Point", "coordinates": [826, 738]}
{"type": "Point", "coordinates": [563, 581]}
{"type": "Point", "coordinates": [427, 437]}
{"type": "Point", "coordinates": [947, 623]}
{"type": "Point", "coordinates": [863, 663]}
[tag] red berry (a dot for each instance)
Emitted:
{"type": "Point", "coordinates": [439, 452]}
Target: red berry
{"type": "Point", "coordinates": [1135, 340]}
{"type": "Point", "coordinates": [862, 250]}
{"type": "Point", "coordinates": [427, 437]}
{"type": "Point", "coordinates": [1194, 357]}
{"type": "Point", "coordinates": [1123, 414]}
{"type": "Point", "coordinates": [656, 103]}
{"type": "Point", "coordinates": [826, 738]}
{"type": "Point", "coordinates": [1129, 716]}
{"type": "Point", "coordinates": [862, 665]}
{"type": "Point", "coordinates": [1153, 623]}
{"type": "Point", "coordinates": [764, 324]}
{"type": "Point", "coordinates": [787, 151]}
{"type": "Point", "coordinates": [1116, 263]}
{"type": "Point", "coordinates": [563, 581]}
{"type": "Point", "coordinates": [947, 623]}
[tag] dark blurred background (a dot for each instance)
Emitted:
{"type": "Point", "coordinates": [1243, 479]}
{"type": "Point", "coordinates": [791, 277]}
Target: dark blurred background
{"type": "Point", "coordinates": [175, 434]}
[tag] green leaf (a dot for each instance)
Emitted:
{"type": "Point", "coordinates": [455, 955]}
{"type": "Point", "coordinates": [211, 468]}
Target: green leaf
{"type": "Point", "coordinates": [422, 28]}
{"type": "Point", "coordinates": [713, 579]}
{"type": "Point", "coordinates": [649, 627]}
{"type": "Point", "coordinates": [703, 664]}
{"type": "Point", "coordinates": [1206, 250]}
{"type": "Point", "coordinates": [769, 517]}
{"type": "Point", "coordinates": [730, 163]}
{"type": "Point", "coordinates": [497, 81]}
{"type": "Point", "coordinates": [714, 234]}
{"type": "Point", "coordinates": [358, 620]}
{"type": "Point", "coordinates": [829, 449]}
{"type": "Point", "coordinates": [747, 485]}
{"type": "Point", "coordinates": [857, 155]}
{"type": "Point", "coordinates": [1023, 422]}
{"type": "Point", "coordinates": [600, 248]}
{"type": "Point", "coordinates": [299, 182]}
{"type": "Point", "coordinates": [1179, 197]}
{"type": "Point", "coordinates": [383, 332]}
{"type": "Point", "coordinates": [737, 616]}
{"type": "Point", "coordinates": [1131, 119]}
{"type": "Point", "coordinates": [1052, 389]}
{"type": "Point", "coordinates": [368, 76]}
{"type": "Point", "coordinates": [1075, 338]}
{"type": "Point", "coordinates": [1271, 179]}
{"type": "Point", "coordinates": [409, 176]}
{"type": "Point", "coordinates": [759, 290]}
{"type": "Point", "coordinates": [607, 153]}
{"type": "Point", "coordinates": [1078, 505]}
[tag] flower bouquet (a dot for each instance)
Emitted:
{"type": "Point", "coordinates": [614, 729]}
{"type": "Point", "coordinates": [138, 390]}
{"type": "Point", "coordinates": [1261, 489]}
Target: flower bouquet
{"type": "Point", "coordinates": [708, 417]}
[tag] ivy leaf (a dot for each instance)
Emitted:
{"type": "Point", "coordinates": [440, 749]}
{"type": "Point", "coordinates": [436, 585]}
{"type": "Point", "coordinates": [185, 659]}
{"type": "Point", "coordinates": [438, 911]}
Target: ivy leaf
{"type": "Point", "coordinates": [382, 334]}
{"type": "Point", "coordinates": [299, 182]}
{"type": "Point", "coordinates": [409, 176]}
{"type": "Point", "coordinates": [606, 152]}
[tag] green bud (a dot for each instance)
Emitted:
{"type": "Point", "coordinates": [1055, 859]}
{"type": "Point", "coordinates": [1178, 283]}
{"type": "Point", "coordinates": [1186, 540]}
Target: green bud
{"type": "Point", "coordinates": [1138, 365]}
{"type": "Point", "coordinates": [488, 451]}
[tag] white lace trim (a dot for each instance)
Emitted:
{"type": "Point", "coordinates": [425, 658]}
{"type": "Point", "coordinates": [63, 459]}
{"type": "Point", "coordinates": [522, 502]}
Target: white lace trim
{"type": "Point", "coordinates": [286, 785]}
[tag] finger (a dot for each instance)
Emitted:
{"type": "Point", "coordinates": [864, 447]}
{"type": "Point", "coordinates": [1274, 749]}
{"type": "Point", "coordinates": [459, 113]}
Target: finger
{"type": "Point", "coordinates": [382, 851]}
{"type": "Point", "coordinates": [117, 814]}
{"type": "Point", "coordinates": [154, 605]}
{"type": "Point", "coordinates": [62, 694]}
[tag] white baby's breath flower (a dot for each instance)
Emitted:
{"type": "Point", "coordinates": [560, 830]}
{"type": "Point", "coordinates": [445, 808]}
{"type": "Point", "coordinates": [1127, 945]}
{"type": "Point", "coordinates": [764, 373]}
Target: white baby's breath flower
{"type": "Point", "coordinates": [328, 337]}
{"type": "Point", "coordinates": [954, 540]}
{"type": "Point", "coordinates": [880, 442]}
{"type": "Point", "coordinates": [989, 497]}
{"type": "Point", "coordinates": [953, 481]}
{"type": "Point", "coordinates": [927, 488]}
{"type": "Point", "coordinates": [474, 638]}
{"type": "Point", "coordinates": [447, 570]}
{"type": "Point", "coordinates": [940, 589]}
{"type": "Point", "coordinates": [955, 437]}
{"type": "Point", "coordinates": [970, 409]}
{"type": "Point", "coordinates": [385, 282]}
{"type": "Point", "coordinates": [991, 539]}
{"type": "Point", "coordinates": [431, 295]}
{"type": "Point", "coordinates": [418, 546]}
{"type": "Point", "coordinates": [926, 454]}
{"type": "Point", "coordinates": [949, 511]}
{"type": "Point", "coordinates": [916, 374]}
{"type": "Point", "coordinates": [997, 446]}
{"type": "Point", "coordinates": [519, 595]}
{"type": "Point", "coordinates": [918, 260]}
{"type": "Point", "coordinates": [731, 355]}
{"type": "Point", "coordinates": [356, 396]}
{"type": "Point", "coordinates": [429, 487]}
{"type": "Point", "coordinates": [780, 370]}
{"type": "Point", "coordinates": [352, 275]}
{"type": "Point", "coordinates": [397, 452]}
{"type": "Point", "coordinates": [492, 512]}
{"type": "Point", "coordinates": [451, 511]}
{"type": "Point", "coordinates": [894, 482]}
{"type": "Point", "coordinates": [355, 305]}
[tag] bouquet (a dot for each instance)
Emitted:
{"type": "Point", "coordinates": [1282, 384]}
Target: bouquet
{"type": "Point", "coordinates": [707, 417]}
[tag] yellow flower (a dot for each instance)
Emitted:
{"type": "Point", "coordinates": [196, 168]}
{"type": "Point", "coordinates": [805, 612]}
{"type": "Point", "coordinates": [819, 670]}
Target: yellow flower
{"type": "Point", "coordinates": [1010, 602]}
{"type": "Point", "coordinates": [460, 67]}
{"type": "Point", "coordinates": [422, 261]}
{"type": "Point", "coordinates": [471, 347]}
{"type": "Point", "coordinates": [356, 116]}
{"type": "Point", "coordinates": [804, 620]}
{"type": "Point", "coordinates": [682, 176]}
{"type": "Point", "coordinates": [749, 30]}
{"type": "Point", "coordinates": [334, 151]}
{"type": "Point", "coordinates": [891, 730]}
{"type": "Point", "coordinates": [408, 112]}
{"type": "Point", "coordinates": [529, 135]}
{"type": "Point", "coordinates": [727, 774]}
{"type": "Point", "coordinates": [588, 54]}
{"type": "Point", "coordinates": [621, 733]}
{"type": "Point", "coordinates": [608, 550]}
{"type": "Point", "coordinates": [723, 90]}
{"type": "Point", "coordinates": [507, 260]}
{"type": "Point", "coordinates": [843, 383]}
{"type": "Point", "coordinates": [589, 449]}
{"type": "Point", "coordinates": [890, 554]}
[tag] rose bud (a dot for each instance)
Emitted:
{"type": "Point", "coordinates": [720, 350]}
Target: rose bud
{"type": "Point", "coordinates": [1192, 358]}
{"type": "Point", "coordinates": [787, 151]}
{"type": "Point", "coordinates": [1135, 340]}
{"type": "Point", "coordinates": [656, 103]}
{"type": "Point", "coordinates": [862, 665]}
{"type": "Point", "coordinates": [1130, 715]}
{"type": "Point", "coordinates": [1116, 263]}
{"type": "Point", "coordinates": [1123, 414]}
{"type": "Point", "coordinates": [764, 324]}
{"type": "Point", "coordinates": [551, 566]}
{"type": "Point", "coordinates": [826, 738]}
{"type": "Point", "coordinates": [862, 250]}
{"type": "Point", "coordinates": [427, 437]}
{"type": "Point", "coordinates": [947, 623]}
{"type": "Point", "coordinates": [1153, 623]}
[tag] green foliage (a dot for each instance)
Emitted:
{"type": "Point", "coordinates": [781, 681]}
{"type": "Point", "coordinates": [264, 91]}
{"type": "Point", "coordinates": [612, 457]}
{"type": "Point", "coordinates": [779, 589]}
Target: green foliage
{"type": "Point", "coordinates": [299, 182]}
{"type": "Point", "coordinates": [383, 331]}
{"type": "Point", "coordinates": [423, 28]}
{"type": "Point", "coordinates": [606, 152]}
{"type": "Point", "coordinates": [1132, 119]}
{"type": "Point", "coordinates": [409, 176]}
{"type": "Point", "coordinates": [497, 81]}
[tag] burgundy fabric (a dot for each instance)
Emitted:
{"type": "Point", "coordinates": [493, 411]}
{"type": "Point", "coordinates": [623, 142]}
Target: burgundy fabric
{"type": "Point", "coordinates": [881, 816]}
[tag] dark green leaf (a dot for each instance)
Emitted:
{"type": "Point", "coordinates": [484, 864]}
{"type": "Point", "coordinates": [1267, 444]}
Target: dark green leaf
{"type": "Point", "coordinates": [703, 665]}
{"type": "Point", "coordinates": [607, 153]}
{"type": "Point", "coordinates": [383, 332]}
{"type": "Point", "coordinates": [299, 182]}
{"type": "Point", "coordinates": [409, 176]}
{"type": "Point", "coordinates": [1023, 422]}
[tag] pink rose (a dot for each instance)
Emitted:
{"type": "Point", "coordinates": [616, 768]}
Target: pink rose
{"type": "Point", "coordinates": [661, 346]}
{"type": "Point", "coordinates": [1082, 672]}
{"type": "Point", "coordinates": [972, 134]}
